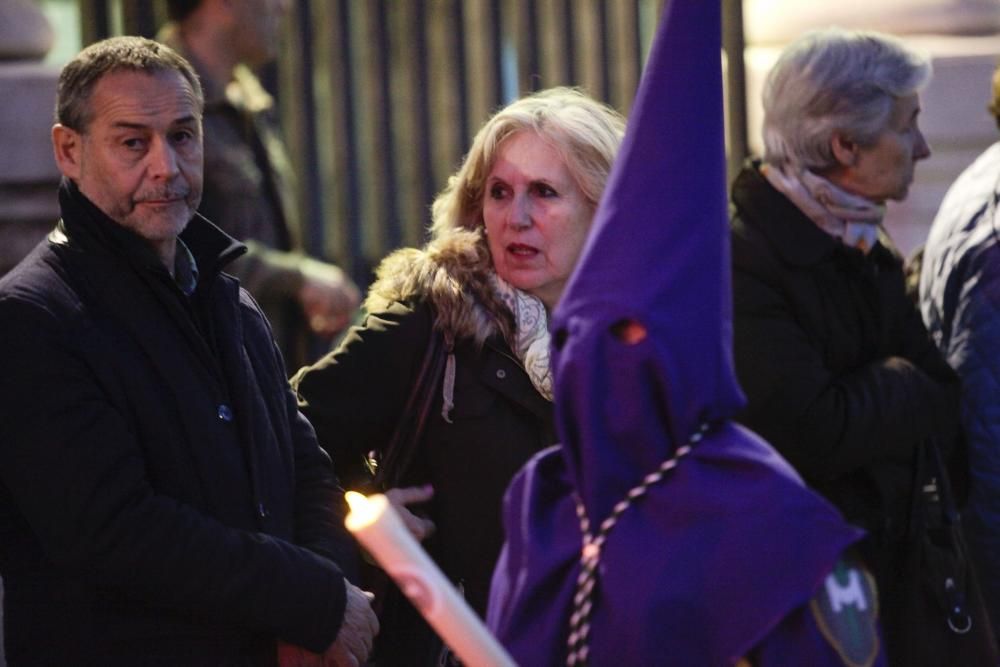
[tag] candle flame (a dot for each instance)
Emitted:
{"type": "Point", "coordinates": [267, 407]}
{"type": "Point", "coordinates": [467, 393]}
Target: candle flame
{"type": "Point", "coordinates": [356, 501]}
{"type": "Point", "coordinates": [364, 510]}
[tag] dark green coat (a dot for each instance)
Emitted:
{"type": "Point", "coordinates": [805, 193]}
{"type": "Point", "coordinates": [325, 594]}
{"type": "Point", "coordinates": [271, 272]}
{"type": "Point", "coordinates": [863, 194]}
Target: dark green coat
{"type": "Point", "coordinates": [355, 396]}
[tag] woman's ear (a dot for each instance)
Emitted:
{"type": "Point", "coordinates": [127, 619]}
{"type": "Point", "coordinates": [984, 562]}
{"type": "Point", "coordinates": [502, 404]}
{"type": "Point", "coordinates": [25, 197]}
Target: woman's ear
{"type": "Point", "coordinates": [844, 150]}
{"type": "Point", "coordinates": [66, 146]}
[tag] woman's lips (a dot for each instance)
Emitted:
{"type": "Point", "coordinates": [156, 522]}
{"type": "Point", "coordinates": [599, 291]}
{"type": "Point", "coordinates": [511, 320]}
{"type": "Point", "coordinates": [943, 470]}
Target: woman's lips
{"type": "Point", "coordinates": [521, 250]}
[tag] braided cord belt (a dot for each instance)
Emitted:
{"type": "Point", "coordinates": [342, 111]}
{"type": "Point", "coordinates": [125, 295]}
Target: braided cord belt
{"type": "Point", "coordinates": [579, 623]}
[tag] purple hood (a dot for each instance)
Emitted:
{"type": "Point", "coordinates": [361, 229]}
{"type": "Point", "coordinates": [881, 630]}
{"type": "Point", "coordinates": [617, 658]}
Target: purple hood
{"type": "Point", "coordinates": [700, 569]}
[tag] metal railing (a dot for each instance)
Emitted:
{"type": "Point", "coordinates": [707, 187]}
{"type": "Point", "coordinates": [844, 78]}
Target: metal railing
{"type": "Point", "coordinates": [379, 99]}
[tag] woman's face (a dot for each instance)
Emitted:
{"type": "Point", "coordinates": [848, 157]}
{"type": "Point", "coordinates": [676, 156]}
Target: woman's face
{"type": "Point", "coordinates": [885, 170]}
{"type": "Point", "coordinates": [536, 217]}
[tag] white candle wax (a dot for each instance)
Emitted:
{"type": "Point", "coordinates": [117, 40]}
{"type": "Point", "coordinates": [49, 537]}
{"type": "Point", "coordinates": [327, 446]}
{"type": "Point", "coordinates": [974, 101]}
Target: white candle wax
{"type": "Point", "coordinates": [378, 527]}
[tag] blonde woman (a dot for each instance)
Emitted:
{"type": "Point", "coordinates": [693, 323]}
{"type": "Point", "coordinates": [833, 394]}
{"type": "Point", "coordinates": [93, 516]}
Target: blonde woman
{"type": "Point", "coordinates": [507, 232]}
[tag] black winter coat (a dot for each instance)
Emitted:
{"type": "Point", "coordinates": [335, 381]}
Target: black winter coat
{"type": "Point", "coordinates": [162, 501]}
{"type": "Point", "coordinates": [839, 371]}
{"type": "Point", "coordinates": [355, 397]}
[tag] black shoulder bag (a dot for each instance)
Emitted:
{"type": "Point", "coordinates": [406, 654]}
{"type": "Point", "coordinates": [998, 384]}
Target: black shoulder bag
{"type": "Point", "coordinates": [394, 461]}
{"type": "Point", "coordinates": [945, 622]}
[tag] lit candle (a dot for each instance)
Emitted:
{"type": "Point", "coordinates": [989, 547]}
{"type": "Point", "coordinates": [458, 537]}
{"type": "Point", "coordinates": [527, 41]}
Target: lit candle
{"type": "Point", "coordinates": [380, 529]}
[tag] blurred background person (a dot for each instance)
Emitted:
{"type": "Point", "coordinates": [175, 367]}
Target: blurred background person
{"type": "Point", "coordinates": [507, 231]}
{"type": "Point", "coordinates": [248, 180]}
{"type": "Point", "coordinates": [960, 298]}
{"type": "Point", "coordinates": [839, 371]}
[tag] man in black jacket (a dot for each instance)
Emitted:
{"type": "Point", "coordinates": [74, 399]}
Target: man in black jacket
{"type": "Point", "coordinates": [162, 501]}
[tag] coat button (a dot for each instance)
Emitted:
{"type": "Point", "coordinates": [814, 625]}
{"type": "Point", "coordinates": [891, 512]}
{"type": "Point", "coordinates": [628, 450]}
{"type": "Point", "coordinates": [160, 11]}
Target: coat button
{"type": "Point", "coordinates": [501, 374]}
{"type": "Point", "coordinates": [225, 413]}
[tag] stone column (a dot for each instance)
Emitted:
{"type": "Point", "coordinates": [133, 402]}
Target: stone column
{"type": "Point", "coordinates": [28, 175]}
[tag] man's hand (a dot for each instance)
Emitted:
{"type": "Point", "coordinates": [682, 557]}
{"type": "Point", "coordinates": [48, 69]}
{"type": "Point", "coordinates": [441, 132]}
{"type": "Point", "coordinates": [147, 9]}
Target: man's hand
{"type": "Point", "coordinates": [290, 655]}
{"type": "Point", "coordinates": [419, 527]}
{"type": "Point", "coordinates": [354, 641]}
{"type": "Point", "coordinates": [327, 296]}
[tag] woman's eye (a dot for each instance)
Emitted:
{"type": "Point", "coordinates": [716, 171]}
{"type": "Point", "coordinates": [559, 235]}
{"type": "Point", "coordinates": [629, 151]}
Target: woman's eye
{"type": "Point", "coordinates": [543, 190]}
{"type": "Point", "coordinates": [497, 192]}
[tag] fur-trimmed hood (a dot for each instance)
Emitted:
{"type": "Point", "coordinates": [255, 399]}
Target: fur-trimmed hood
{"type": "Point", "coordinates": [452, 273]}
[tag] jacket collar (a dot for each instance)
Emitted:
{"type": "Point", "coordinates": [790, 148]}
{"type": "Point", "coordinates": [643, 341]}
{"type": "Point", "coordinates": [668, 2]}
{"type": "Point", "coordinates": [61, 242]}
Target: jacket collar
{"type": "Point", "coordinates": [85, 226]}
{"type": "Point", "coordinates": [244, 91]}
{"type": "Point", "coordinates": [789, 232]}
{"type": "Point", "coordinates": [796, 239]}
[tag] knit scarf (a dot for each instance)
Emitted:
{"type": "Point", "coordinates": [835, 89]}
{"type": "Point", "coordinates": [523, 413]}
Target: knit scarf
{"type": "Point", "coordinates": [531, 344]}
{"type": "Point", "coordinates": [852, 219]}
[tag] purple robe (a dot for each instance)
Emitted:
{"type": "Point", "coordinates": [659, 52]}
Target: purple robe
{"type": "Point", "coordinates": [724, 557]}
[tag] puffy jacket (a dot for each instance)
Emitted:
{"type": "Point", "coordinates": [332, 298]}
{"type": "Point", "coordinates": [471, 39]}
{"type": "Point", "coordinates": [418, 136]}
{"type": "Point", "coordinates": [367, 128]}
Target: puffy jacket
{"type": "Point", "coordinates": [960, 301]}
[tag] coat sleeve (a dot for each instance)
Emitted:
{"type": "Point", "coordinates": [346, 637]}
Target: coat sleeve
{"type": "Point", "coordinates": [355, 395]}
{"type": "Point", "coordinates": [75, 471]}
{"type": "Point", "coordinates": [973, 342]}
{"type": "Point", "coordinates": [826, 423]}
{"type": "Point", "coordinates": [320, 507]}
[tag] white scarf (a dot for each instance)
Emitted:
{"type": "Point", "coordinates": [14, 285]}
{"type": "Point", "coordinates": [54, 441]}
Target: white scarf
{"type": "Point", "coordinates": [531, 344]}
{"type": "Point", "coordinates": [852, 219]}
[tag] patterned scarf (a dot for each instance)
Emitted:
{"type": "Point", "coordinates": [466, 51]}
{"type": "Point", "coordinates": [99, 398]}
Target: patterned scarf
{"type": "Point", "coordinates": [531, 344]}
{"type": "Point", "coordinates": [852, 219]}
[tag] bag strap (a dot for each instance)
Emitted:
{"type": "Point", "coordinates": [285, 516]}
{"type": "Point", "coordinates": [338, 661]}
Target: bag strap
{"type": "Point", "coordinates": [936, 515]}
{"type": "Point", "coordinates": [399, 452]}
{"type": "Point", "coordinates": [948, 504]}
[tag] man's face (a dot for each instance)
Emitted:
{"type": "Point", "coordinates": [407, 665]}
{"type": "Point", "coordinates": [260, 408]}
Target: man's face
{"type": "Point", "coordinates": [258, 29]}
{"type": "Point", "coordinates": [140, 158]}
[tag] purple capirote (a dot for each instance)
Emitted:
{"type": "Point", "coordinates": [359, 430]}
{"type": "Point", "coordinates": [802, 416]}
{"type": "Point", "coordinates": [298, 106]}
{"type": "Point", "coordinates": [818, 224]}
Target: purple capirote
{"type": "Point", "coordinates": [719, 559]}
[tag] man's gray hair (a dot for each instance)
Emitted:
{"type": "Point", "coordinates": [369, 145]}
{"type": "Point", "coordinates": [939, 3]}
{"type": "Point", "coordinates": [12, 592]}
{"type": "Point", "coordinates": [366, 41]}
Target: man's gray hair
{"type": "Point", "coordinates": [78, 78]}
{"type": "Point", "coordinates": [835, 80]}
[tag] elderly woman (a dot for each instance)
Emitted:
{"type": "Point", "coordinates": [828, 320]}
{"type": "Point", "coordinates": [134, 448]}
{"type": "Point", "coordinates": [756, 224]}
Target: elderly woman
{"type": "Point", "coordinates": [507, 231]}
{"type": "Point", "coordinates": [839, 371]}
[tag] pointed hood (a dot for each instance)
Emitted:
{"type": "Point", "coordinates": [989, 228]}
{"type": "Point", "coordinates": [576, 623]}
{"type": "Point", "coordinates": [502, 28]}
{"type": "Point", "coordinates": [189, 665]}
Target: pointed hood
{"type": "Point", "coordinates": [657, 255]}
{"type": "Point", "coordinates": [730, 528]}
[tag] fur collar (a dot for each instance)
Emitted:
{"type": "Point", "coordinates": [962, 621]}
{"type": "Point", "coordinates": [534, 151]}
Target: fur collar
{"type": "Point", "coordinates": [452, 274]}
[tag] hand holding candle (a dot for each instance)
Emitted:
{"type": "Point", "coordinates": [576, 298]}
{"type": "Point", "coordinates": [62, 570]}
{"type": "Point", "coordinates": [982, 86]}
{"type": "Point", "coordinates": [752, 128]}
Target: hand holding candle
{"type": "Point", "coordinates": [380, 530]}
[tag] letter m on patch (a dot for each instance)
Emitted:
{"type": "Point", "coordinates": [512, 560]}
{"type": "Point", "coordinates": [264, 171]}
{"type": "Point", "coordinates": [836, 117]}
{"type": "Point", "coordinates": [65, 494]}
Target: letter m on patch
{"type": "Point", "coordinates": [846, 593]}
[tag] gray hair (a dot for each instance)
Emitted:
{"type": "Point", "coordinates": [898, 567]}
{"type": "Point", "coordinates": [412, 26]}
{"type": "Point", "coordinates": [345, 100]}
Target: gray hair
{"type": "Point", "coordinates": [835, 80]}
{"type": "Point", "coordinates": [138, 54]}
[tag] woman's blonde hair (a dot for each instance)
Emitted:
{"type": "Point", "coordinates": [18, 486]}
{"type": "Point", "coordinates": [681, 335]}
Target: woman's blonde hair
{"type": "Point", "coordinates": [584, 132]}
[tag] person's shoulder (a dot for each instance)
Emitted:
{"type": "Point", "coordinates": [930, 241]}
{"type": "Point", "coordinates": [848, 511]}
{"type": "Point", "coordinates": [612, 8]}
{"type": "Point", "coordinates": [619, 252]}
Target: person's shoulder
{"type": "Point", "coordinates": [959, 217]}
{"type": "Point", "coordinates": [43, 279]}
{"type": "Point", "coordinates": [40, 304]}
{"type": "Point", "coordinates": [752, 251]}
{"type": "Point", "coordinates": [411, 318]}
{"type": "Point", "coordinates": [984, 173]}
